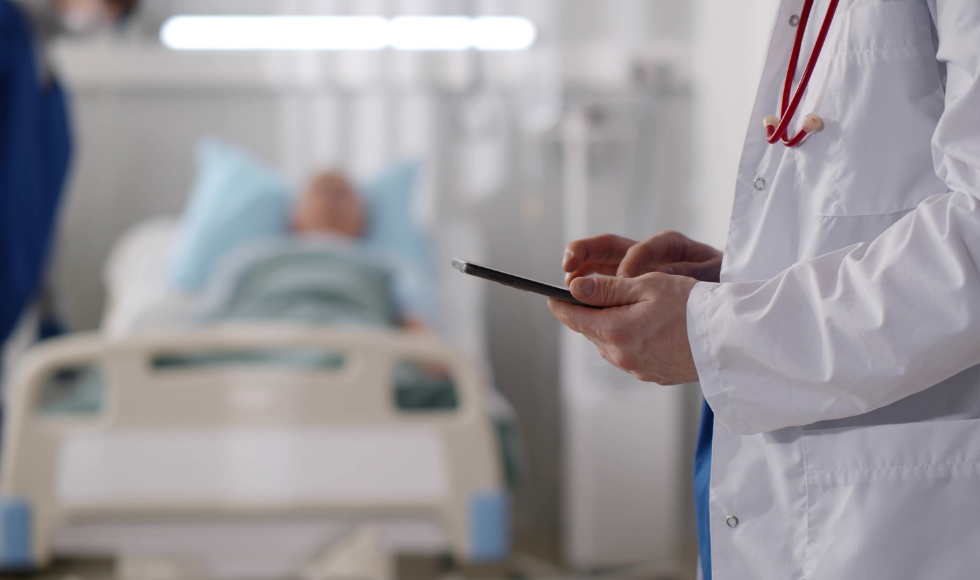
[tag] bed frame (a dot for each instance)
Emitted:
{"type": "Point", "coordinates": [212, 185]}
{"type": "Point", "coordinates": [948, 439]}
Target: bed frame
{"type": "Point", "coordinates": [241, 446]}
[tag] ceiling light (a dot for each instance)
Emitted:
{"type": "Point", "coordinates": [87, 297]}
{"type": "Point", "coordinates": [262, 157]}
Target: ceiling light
{"type": "Point", "coordinates": [347, 33]}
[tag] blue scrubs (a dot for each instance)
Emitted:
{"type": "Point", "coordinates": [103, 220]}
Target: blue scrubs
{"type": "Point", "coordinates": [702, 485]}
{"type": "Point", "coordinates": [35, 147]}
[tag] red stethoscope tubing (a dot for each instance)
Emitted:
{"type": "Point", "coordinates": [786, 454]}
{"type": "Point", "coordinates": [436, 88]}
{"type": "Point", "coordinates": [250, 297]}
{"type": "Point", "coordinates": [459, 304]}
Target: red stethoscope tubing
{"type": "Point", "coordinates": [788, 108]}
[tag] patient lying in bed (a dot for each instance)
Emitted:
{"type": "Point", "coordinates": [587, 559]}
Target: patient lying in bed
{"type": "Point", "coordinates": [322, 272]}
{"type": "Point", "coordinates": [322, 266]}
{"type": "Point", "coordinates": [328, 216]}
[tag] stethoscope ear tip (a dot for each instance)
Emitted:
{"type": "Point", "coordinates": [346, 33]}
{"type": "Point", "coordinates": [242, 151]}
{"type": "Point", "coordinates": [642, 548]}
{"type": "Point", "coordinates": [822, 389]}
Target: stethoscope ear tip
{"type": "Point", "coordinates": [812, 123]}
{"type": "Point", "coordinates": [776, 126]}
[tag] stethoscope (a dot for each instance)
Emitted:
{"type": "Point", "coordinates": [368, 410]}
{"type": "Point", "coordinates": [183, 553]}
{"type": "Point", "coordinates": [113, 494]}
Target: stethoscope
{"type": "Point", "coordinates": [776, 126]}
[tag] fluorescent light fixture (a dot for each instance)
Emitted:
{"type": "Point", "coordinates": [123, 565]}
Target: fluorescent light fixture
{"type": "Point", "coordinates": [347, 33]}
{"type": "Point", "coordinates": [275, 33]}
{"type": "Point", "coordinates": [503, 33]}
{"type": "Point", "coordinates": [431, 33]}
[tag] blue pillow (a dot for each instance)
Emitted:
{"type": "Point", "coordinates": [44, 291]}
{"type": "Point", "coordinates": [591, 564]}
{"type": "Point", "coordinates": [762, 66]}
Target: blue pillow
{"type": "Point", "coordinates": [236, 198]}
{"type": "Point", "coordinates": [391, 226]}
{"type": "Point", "coordinates": [392, 230]}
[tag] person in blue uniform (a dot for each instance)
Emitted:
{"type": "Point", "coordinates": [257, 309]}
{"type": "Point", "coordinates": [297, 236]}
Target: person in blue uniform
{"type": "Point", "coordinates": [35, 138]}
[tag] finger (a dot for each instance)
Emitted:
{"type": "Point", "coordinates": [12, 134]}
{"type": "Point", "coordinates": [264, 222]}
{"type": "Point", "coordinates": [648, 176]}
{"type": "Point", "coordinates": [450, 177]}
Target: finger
{"type": "Point", "coordinates": [580, 319]}
{"type": "Point", "coordinates": [592, 268]}
{"type": "Point", "coordinates": [660, 250]}
{"type": "Point", "coordinates": [561, 311]}
{"type": "Point", "coordinates": [607, 292]}
{"type": "Point", "coordinates": [606, 248]}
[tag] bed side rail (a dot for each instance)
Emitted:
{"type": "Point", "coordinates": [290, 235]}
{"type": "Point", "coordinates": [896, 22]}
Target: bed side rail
{"type": "Point", "coordinates": [285, 389]}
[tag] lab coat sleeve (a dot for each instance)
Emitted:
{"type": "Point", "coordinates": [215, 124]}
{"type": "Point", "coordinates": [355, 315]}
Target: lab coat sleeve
{"type": "Point", "coordinates": [854, 330]}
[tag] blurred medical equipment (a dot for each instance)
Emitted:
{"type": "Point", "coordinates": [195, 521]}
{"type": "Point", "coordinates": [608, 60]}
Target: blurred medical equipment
{"type": "Point", "coordinates": [624, 442]}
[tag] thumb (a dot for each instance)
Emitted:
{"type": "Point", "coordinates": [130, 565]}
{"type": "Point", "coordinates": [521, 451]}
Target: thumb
{"type": "Point", "coordinates": [605, 292]}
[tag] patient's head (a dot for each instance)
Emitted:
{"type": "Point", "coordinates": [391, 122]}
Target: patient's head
{"type": "Point", "coordinates": [88, 16]}
{"type": "Point", "coordinates": [330, 205]}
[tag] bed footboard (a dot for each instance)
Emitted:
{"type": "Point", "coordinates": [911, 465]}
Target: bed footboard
{"type": "Point", "coordinates": [247, 423]}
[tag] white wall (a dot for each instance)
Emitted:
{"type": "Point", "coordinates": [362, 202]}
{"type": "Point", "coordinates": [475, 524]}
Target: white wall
{"type": "Point", "coordinates": [729, 43]}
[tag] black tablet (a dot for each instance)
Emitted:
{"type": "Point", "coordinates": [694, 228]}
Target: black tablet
{"type": "Point", "coordinates": [518, 282]}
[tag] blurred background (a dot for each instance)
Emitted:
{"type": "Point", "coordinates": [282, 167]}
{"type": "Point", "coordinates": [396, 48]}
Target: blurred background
{"type": "Point", "coordinates": [622, 116]}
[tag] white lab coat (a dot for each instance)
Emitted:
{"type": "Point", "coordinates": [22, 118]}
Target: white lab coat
{"type": "Point", "coordinates": [839, 352]}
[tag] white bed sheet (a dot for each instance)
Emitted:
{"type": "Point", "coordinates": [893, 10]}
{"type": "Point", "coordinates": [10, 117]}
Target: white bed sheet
{"type": "Point", "coordinates": [135, 279]}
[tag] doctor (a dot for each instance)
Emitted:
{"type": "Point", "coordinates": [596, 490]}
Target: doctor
{"type": "Point", "coordinates": [838, 337]}
{"type": "Point", "coordinates": [34, 138]}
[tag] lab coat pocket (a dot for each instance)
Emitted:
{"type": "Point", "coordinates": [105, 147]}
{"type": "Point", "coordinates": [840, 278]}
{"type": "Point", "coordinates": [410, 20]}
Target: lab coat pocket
{"type": "Point", "coordinates": [893, 501]}
{"type": "Point", "coordinates": [880, 101]}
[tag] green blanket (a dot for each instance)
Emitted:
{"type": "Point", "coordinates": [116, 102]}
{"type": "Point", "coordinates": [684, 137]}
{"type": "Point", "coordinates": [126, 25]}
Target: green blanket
{"type": "Point", "coordinates": [303, 283]}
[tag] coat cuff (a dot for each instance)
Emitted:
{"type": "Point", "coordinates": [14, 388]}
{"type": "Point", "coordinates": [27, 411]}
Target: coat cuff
{"type": "Point", "coordinates": [702, 309]}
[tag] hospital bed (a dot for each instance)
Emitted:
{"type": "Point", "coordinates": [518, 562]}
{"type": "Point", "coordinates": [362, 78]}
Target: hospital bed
{"type": "Point", "coordinates": [279, 462]}
{"type": "Point", "coordinates": [248, 449]}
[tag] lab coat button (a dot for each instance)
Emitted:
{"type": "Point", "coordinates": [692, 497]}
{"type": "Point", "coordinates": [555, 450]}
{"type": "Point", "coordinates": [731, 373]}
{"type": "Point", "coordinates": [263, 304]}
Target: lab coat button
{"type": "Point", "coordinates": [732, 521]}
{"type": "Point", "coordinates": [760, 184]}
{"type": "Point", "coordinates": [794, 20]}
